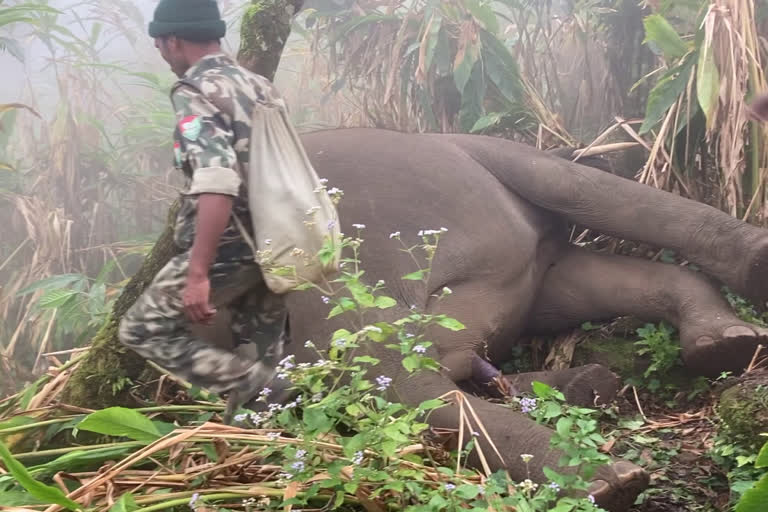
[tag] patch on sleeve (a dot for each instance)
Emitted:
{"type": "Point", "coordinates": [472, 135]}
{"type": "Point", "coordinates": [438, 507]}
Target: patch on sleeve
{"type": "Point", "coordinates": [177, 153]}
{"type": "Point", "coordinates": [190, 127]}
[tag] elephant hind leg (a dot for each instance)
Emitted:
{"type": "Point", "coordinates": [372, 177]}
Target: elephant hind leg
{"type": "Point", "coordinates": [584, 286]}
{"type": "Point", "coordinates": [733, 251]}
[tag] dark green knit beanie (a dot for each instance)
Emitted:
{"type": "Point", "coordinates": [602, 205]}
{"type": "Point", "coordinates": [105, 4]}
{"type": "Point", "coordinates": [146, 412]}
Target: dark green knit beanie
{"type": "Point", "coordinates": [193, 20]}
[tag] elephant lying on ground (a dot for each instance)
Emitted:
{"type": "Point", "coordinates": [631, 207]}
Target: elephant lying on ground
{"type": "Point", "coordinates": [507, 259]}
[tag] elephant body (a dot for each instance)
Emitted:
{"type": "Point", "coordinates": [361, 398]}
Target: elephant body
{"type": "Point", "coordinates": [507, 259]}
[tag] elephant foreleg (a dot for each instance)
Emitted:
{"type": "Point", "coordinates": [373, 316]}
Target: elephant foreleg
{"type": "Point", "coordinates": [615, 486]}
{"type": "Point", "coordinates": [584, 286]}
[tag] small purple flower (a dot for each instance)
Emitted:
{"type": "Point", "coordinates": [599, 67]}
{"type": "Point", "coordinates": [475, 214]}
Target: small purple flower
{"type": "Point", "coordinates": [331, 224]}
{"type": "Point", "coordinates": [300, 454]}
{"type": "Point", "coordinates": [419, 349]}
{"type": "Point", "coordinates": [339, 342]}
{"type": "Point", "coordinates": [528, 405]}
{"type": "Point", "coordinates": [240, 418]}
{"type": "Point", "coordinates": [286, 363]}
{"type": "Point", "coordinates": [358, 458]}
{"type": "Point", "coordinates": [383, 382]}
{"type": "Point", "coordinates": [326, 300]}
{"type": "Point", "coordinates": [265, 392]}
{"type": "Point", "coordinates": [298, 466]}
{"type": "Point", "coordinates": [193, 501]}
{"type": "Point", "coordinates": [554, 486]}
{"type": "Point", "coordinates": [591, 499]}
{"type": "Point", "coordinates": [449, 487]}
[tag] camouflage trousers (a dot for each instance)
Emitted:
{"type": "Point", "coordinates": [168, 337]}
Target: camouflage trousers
{"type": "Point", "coordinates": [156, 327]}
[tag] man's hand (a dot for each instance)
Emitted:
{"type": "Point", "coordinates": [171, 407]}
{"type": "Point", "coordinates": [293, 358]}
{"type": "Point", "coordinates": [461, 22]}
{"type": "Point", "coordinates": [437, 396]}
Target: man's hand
{"type": "Point", "coordinates": [213, 213]}
{"type": "Point", "coordinates": [196, 297]}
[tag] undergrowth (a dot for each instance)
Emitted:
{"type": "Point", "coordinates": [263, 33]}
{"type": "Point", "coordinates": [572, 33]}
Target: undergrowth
{"type": "Point", "coordinates": [339, 441]}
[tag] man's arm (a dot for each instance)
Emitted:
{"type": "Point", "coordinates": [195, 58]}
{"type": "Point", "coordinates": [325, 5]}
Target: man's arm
{"type": "Point", "coordinates": [213, 213]}
{"type": "Point", "coordinates": [208, 143]}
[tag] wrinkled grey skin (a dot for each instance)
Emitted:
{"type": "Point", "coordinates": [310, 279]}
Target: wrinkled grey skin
{"type": "Point", "coordinates": [507, 259]}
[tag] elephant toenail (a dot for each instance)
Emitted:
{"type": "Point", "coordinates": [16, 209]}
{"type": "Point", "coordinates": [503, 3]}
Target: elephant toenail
{"type": "Point", "coordinates": [600, 489]}
{"type": "Point", "coordinates": [705, 342]}
{"type": "Point", "coordinates": [628, 473]}
{"type": "Point", "coordinates": [738, 331]}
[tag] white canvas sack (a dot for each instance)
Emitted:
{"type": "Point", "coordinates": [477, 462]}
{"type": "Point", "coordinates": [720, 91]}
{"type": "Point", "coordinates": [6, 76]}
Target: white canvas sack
{"type": "Point", "coordinates": [293, 216]}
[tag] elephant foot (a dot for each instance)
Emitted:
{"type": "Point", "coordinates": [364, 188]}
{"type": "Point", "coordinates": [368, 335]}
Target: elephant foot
{"type": "Point", "coordinates": [617, 486]}
{"type": "Point", "coordinates": [588, 386]}
{"type": "Point", "coordinates": [730, 350]}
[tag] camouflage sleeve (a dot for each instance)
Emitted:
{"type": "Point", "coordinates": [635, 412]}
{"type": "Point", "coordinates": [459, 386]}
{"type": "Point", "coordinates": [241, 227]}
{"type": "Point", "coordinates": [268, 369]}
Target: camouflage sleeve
{"type": "Point", "coordinates": [207, 142]}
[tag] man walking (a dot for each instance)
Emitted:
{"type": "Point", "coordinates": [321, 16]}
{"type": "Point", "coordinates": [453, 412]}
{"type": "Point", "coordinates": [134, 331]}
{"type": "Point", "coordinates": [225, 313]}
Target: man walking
{"type": "Point", "coordinates": [213, 100]}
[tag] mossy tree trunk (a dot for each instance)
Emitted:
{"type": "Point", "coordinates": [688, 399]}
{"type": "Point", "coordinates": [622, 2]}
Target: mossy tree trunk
{"type": "Point", "coordinates": [265, 29]}
{"type": "Point", "coordinates": [102, 376]}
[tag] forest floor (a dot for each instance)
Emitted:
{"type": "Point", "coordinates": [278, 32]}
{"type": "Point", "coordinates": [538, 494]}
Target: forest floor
{"type": "Point", "coordinates": [672, 431]}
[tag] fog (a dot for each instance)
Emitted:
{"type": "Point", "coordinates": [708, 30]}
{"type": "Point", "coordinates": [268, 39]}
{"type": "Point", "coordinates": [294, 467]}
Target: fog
{"type": "Point", "coordinates": [124, 41]}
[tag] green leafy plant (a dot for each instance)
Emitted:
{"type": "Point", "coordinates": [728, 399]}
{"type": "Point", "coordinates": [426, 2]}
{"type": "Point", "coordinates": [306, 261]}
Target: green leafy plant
{"type": "Point", "coordinates": [664, 351]}
{"type": "Point", "coordinates": [744, 309]}
{"type": "Point", "coordinates": [340, 401]}
{"type": "Point", "coordinates": [690, 116]}
{"type": "Point", "coordinates": [755, 498]}
{"type": "Point", "coordinates": [80, 305]}
{"type": "Point", "coordinates": [577, 435]}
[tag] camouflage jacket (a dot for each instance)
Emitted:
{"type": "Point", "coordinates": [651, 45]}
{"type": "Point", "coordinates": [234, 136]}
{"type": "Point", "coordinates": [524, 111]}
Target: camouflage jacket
{"type": "Point", "coordinates": [214, 101]}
